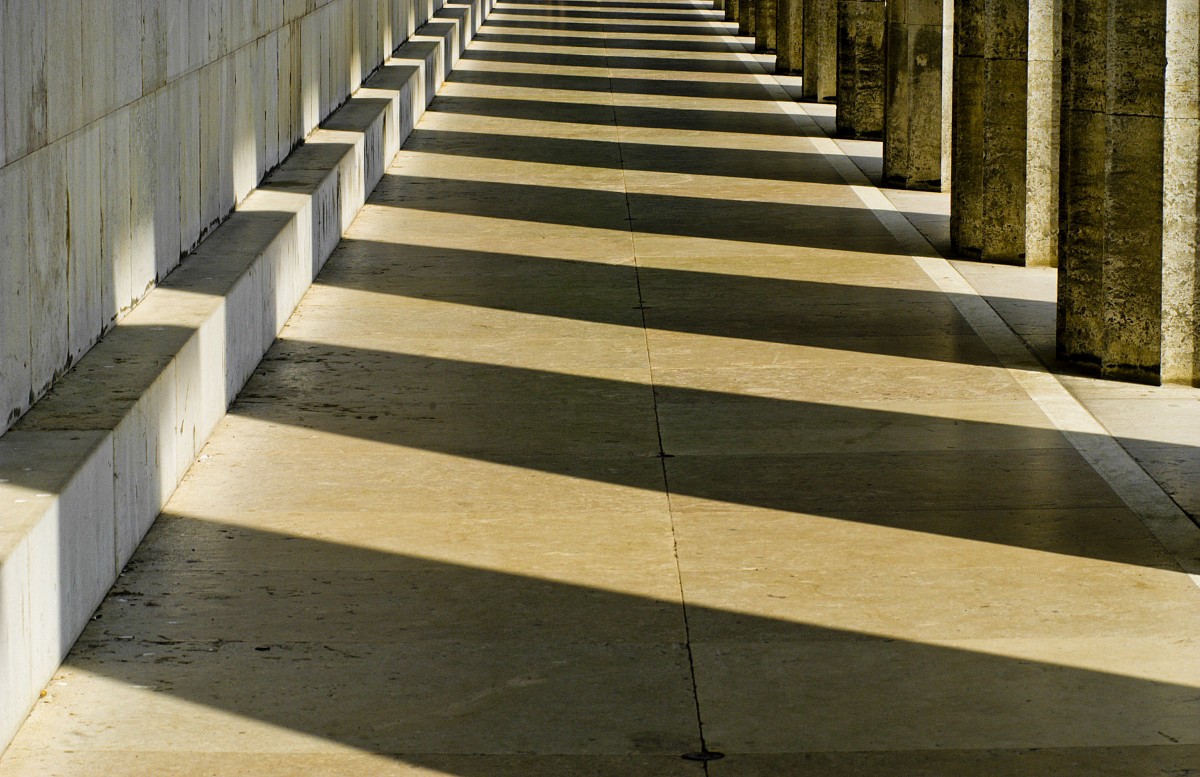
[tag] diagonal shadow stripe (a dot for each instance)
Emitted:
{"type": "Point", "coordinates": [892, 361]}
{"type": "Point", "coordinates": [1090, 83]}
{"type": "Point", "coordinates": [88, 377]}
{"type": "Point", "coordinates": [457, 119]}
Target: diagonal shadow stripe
{"type": "Point", "coordinates": [464, 669]}
{"type": "Point", "coordinates": [840, 228]}
{"type": "Point", "coordinates": [613, 62]}
{"type": "Point", "coordinates": [592, 42]}
{"type": "Point", "coordinates": [715, 90]}
{"type": "Point", "coordinates": [907, 323]}
{"type": "Point", "coordinates": [880, 466]}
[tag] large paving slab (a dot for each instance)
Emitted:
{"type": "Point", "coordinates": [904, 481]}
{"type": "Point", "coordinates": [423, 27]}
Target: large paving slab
{"type": "Point", "coordinates": [618, 428]}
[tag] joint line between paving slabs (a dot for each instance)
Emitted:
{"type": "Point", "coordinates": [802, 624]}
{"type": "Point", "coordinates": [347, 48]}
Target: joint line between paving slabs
{"type": "Point", "coordinates": [662, 454]}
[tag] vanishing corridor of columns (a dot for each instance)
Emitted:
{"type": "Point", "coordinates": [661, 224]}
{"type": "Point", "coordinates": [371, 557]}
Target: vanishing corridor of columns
{"type": "Point", "coordinates": [631, 430]}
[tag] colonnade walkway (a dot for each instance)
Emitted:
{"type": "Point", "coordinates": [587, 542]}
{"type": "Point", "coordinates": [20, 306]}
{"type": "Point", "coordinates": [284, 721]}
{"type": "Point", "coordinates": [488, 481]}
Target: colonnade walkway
{"type": "Point", "coordinates": [622, 427]}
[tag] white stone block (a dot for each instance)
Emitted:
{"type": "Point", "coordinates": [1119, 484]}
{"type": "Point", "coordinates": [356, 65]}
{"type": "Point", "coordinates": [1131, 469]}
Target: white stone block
{"type": "Point", "coordinates": [86, 320]}
{"type": "Point", "coordinates": [117, 231]}
{"type": "Point", "coordinates": [169, 136]}
{"type": "Point", "coordinates": [143, 149]}
{"type": "Point", "coordinates": [24, 52]}
{"type": "Point", "coordinates": [144, 462]}
{"type": "Point", "coordinates": [98, 57]}
{"type": "Point", "coordinates": [288, 91]}
{"type": "Point", "coordinates": [48, 289]}
{"type": "Point", "coordinates": [16, 378]}
{"type": "Point", "coordinates": [155, 21]}
{"type": "Point", "coordinates": [310, 73]}
{"type": "Point", "coordinates": [243, 331]}
{"type": "Point", "coordinates": [16, 660]}
{"type": "Point", "coordinates": [174, 23]}
{"type": "Point", "coordinates": [197, 33]}
{"type": "Point", "coordinates": [210, 119]}
{"type": "Point", "coordinates": [56, 557]}
{"type": "Point", "coordinates": [64, 86]}
{"type": "Point", "coordinates": [245, 144]}
{"type": "Point", "coordinates": [189, 117]}
{"type": "Point", "coordinates": [267, 114]}
{"type": "Point", "coordinates": [127, 46]}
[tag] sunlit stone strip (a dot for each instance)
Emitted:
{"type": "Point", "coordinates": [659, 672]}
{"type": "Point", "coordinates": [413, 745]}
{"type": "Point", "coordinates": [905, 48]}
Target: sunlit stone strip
{"type": "Point", "coordinates": [1181, 201]}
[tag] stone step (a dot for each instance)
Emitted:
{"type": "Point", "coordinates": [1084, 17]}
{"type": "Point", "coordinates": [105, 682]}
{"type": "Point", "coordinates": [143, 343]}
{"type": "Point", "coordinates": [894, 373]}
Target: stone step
{"type": "Point", "coordinates": [84, 474]}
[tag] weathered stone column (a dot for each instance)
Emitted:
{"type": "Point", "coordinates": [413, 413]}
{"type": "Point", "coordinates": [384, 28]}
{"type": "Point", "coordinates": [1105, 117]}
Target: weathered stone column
{"type": "Point", "coordinates": [747, 12]}
{"type": "Point", "coordinates": [820, 51]}
{"type": "Point", "coordinates": [731, 10]}
{"type": "Point", "coordinates": [860, 68]}
{"type": "Point", "coordinates": [789, 36]}
{"type": "Point", "coordinates": [913, 96]}
{"type": "Point", "coordinates": [1004, 194]}
{"type": "Point", "coordinates": [718, 5]}
{"type": "Point", "coordinates": [765, 25]}
{"type": "Point", "coordinates": [1110, 289]}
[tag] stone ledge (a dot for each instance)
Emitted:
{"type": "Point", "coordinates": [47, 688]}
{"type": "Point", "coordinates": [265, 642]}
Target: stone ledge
{"type": "Point", "coordinates": [84, 474]}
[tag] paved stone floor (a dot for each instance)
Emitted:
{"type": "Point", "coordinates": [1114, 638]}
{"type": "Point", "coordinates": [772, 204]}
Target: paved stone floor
{"type": "Point", "coordinates": [617, 429]}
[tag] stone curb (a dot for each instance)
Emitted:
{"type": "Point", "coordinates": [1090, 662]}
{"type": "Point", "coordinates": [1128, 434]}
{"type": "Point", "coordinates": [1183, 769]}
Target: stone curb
{"type": "Point", "coordinates": [84, 474]}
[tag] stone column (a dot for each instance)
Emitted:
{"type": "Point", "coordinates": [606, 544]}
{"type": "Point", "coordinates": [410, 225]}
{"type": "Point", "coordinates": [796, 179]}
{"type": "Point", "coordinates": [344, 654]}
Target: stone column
{"type": "Point", "coordinates": [731, 10]}
{"type": "Point", "coordinates": [765, 25]}
{"type": "Point", "coordinates": [860, 68]}
{"type": "Point", "coordinates": [1110, 287]}
{"type": "Point", "coordinates": [820, 51]}
{"type": "Point", "coordinates": [789, 36]}
{"type": "Point", "coordinates": [913, 95]}
{"type": "Point", "coordinates": [747, 13]}
{"type": "Point", "coordinates": [1007, 89]}
{"type": "Point", "coordinates": [718, 5]}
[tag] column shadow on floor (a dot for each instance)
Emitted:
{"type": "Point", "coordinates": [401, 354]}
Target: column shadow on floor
{"type": "Point", "coordinates": [715, 90]}
{"type": "Point", "coordinates": [597, 42]}
{"type": "Point", "coordinates": [611, 61]}
{"type": "Point", "coordinates": [869, 465]}
{"type": "Point", "coordinates": [421, 659]}
{"type": "Point", "coordinates": [906, 323]}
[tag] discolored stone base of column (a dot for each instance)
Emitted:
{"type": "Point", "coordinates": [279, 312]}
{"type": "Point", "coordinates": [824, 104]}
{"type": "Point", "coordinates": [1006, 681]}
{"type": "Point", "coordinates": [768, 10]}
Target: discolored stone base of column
{"type": "Point", "coordinates": [860, 68]}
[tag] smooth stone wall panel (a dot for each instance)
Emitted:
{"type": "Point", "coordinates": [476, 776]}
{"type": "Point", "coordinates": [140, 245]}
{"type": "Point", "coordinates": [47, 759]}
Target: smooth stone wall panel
{"type": "Point", "coordinates": [193, 102]}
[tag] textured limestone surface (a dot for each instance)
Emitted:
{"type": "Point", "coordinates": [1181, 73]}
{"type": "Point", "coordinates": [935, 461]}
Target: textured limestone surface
{"type": "Point", "coordinates": [820, 50]}
{"type": "Point", "coordinates": [617, 428]}
{"type": "Point", "coordinates": [1114, 210]}
{"type": "Point", "coordinates": [131, 129]}
{"type": "Point", "coordinates": [860, 68]}
{"type": "Point", "coordinates": [789, 36]}
{"type": "Point", "coordinates": [915, 148]}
